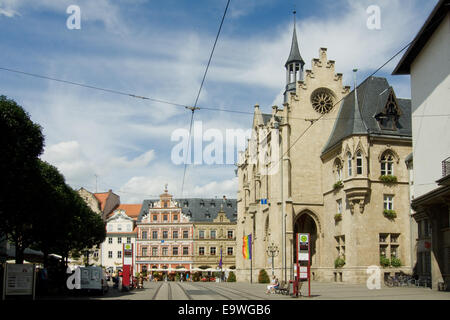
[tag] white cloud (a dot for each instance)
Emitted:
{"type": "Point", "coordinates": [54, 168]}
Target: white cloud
{"type": "Point", "coordinates": [99, 10]}
{"type": "Point", "coordinates": [8, 12]}
{"type": "Point", "coordinates": [115, 137]}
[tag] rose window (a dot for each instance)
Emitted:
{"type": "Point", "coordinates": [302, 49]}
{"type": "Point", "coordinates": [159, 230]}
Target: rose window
{"type": "Point", "coordinates": [322, 101]}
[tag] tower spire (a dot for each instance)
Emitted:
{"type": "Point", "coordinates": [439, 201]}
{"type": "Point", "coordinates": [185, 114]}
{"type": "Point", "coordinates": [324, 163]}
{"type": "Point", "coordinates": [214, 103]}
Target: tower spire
{"type": "Point", "coordinates": [294, 64]}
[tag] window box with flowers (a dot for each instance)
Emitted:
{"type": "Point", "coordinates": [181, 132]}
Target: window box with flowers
{"type": "Point", "coordinates": [396, 262]}
{"type": "Point", "coordinates": [338, 185]}
{"type": "Point", "coordinates": [390, 214]}
{"type": "Point", "coordinates": [384, 262]}
{"type": "Point", "coordinates": [338, 217]}
{"type": "Point", "coordinates": [388, 179]}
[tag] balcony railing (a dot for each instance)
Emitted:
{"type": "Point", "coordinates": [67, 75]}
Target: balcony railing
{"type": "Point", "coordinates": [446, 167]}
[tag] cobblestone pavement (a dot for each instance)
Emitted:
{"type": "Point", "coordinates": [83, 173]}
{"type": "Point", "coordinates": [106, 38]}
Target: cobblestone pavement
{"type": "Point", "coordinates": [246, 291]}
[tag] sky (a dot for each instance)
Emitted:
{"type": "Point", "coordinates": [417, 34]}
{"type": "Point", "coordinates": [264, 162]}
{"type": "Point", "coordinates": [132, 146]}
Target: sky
{"type": "Point", "coordinates": [159, 49]}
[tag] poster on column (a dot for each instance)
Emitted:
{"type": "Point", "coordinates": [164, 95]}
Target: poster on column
{"type": "Point", "coordinates": [128, 254]}
{"type": "Point", "coordinates": [303, 247]}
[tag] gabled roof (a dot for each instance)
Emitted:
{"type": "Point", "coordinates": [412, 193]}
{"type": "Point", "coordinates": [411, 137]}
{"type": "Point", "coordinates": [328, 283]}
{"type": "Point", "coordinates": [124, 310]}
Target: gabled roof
{"type": "Point", "coordinates": [437, 15]}
{"type": "Point", "coordinates": [360, 119]}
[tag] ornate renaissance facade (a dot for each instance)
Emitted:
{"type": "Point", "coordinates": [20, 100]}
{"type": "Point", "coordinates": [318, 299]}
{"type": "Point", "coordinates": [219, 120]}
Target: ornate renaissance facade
{"type": "Point", "coordinates": [164, 236]}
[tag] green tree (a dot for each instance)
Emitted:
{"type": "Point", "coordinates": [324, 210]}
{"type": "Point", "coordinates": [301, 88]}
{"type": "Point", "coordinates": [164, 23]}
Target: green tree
{"type": "Point", "coordinates": [21, 143]}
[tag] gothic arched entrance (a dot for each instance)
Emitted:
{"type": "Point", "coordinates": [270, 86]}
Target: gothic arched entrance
{"type": "Point", "coordinates": [305, 223]}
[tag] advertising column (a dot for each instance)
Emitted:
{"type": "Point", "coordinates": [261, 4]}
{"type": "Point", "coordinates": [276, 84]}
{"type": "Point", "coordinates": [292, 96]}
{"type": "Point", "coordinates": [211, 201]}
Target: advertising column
{"type": "Point", "coordinates": [303, 260]}
{"type": "Point", "coordinates": [127, 265]}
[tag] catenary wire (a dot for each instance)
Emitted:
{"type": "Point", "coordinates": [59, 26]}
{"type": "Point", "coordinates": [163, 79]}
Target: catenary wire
{"type": "Point", "coordinates": [200, 90]}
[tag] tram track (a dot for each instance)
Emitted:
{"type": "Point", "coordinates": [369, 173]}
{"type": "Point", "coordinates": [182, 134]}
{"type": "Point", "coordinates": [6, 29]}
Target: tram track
{"type": "Point", "coordinates": [242, 294]}
{"type": "Point", "coordinates": [157, 290]}
{"type": "Point", "coordinates": [209, 289]}
{"type": "Point", "coordinates": [185, 292]}
{"type": "Point", "coordinates": [169, 292]}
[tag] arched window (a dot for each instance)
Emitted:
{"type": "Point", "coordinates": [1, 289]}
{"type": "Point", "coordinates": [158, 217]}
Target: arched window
{"type": "Point", "coordinates": [387, 165]}
{"type": "Point", "coordinates": [359, 163]}
{"type": "Point", "coordinates": [349, 164]}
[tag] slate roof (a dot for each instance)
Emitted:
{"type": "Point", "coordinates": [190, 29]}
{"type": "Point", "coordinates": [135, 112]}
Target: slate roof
{"type": "Point", "coordinates": [294, 55]}
{"type": "Point", "coordinates": [372, 98]}
{"type": "Point", "coordinates": [193, 208]}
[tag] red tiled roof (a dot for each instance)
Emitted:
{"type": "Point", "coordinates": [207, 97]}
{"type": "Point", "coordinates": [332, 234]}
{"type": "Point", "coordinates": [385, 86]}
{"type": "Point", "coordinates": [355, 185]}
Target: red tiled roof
{"type": "Point", "coordinates": [102, 197]}
{"type": "Point", "coordinates": [131, 210]}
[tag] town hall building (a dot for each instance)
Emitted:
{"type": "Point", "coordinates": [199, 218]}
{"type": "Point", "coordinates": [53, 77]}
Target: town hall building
{"type": "Point", "coordinates": [338, 173]}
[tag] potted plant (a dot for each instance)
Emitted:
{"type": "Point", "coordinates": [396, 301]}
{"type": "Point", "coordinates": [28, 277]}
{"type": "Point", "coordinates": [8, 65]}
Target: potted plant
{"type": "Point", "coordinates": [338, 217]}
{"type": "Point", "coordinates": [339, 262]}
{"type": "Point", "coordinates": [388, 179]}
{"type": "Point", "coordinates": [338, 185]}
{"type": "Point", "coordinates": [390, 214]}
{"type": "Point", "coordinates": [263, 277]}
{"type": "Point", "coordinates": [231, 277]}
{"type": "Point", "coordinates": [384, 262]}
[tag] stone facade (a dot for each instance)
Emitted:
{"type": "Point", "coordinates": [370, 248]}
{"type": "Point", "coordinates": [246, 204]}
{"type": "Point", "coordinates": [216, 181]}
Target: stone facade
{"type": "Point", "coordinates": [321, 129]}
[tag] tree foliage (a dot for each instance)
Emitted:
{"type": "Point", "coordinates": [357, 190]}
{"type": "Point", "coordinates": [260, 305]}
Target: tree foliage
{"type": "Point", "coordinates": [37, 208]}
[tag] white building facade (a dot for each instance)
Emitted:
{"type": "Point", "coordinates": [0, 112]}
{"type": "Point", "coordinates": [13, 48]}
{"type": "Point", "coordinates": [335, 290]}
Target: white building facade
{"type": "Point", "coordinates": [120, 229]}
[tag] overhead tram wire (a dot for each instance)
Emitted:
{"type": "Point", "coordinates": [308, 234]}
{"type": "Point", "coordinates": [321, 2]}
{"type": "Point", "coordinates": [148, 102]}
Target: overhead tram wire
{"type": "Point", "coordinates": [218, 109]}
{"type": "Point", "coordinates": [92, 87]}
{"type": "Point", "coordinates": [199, 92]}
{"type": "Point", "coordinates": [198, 95]}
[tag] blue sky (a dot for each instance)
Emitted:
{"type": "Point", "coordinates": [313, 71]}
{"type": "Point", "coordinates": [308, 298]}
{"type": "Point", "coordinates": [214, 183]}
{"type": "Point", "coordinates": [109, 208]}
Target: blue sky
{"type": "Point", "coordinates": [159, 49]}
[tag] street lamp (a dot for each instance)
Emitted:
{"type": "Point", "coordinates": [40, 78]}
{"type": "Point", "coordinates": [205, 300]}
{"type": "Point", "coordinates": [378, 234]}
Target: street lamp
{"type": "Point", "coordinates": [272, 251]}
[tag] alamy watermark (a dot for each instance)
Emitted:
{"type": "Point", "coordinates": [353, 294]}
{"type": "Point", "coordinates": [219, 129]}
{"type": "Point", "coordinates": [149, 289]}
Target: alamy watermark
{"type": "Point", "coordinates": [374, 280]}
{"type": "Point", "coordinates": [74, 20]}
{"type": "Point", "coordinates": [374, 19]}
{"type": "Point", "coordinates": [74, 280]}
{"type": "Point", "coordinates": [211, 147]}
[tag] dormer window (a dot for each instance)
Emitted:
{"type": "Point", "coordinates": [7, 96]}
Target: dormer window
{"type": "Point", "coordinates": [202, 203]}
{"type": "Point", "coordinates": [388, 117]}
{"type": "Point", "coordinates": [213, 204]}
{"type": "Point", "coordinates": [207, 214]}
{"type": "Point", "coordinates": [229, 204]}
{"type": "Point", "coordinates": [186, 204]}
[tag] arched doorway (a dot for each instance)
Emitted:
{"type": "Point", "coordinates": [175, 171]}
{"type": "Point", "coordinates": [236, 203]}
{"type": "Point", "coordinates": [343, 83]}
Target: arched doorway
{"type": "Point", "coordinates": [305, 223]}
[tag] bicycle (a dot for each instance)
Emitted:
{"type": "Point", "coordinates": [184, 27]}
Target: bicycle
{"type": "Point", "coordinates": [392, 281]}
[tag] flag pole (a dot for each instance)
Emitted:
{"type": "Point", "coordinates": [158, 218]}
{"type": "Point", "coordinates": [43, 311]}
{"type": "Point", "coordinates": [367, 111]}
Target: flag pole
{"type": "Point", "coordinates": [251, 258]}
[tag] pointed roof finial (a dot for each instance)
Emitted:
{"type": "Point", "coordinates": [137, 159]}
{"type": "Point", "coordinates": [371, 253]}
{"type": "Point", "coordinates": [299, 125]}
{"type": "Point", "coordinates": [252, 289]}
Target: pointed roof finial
{"type": "Point", "coordinates": [294, 55]}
